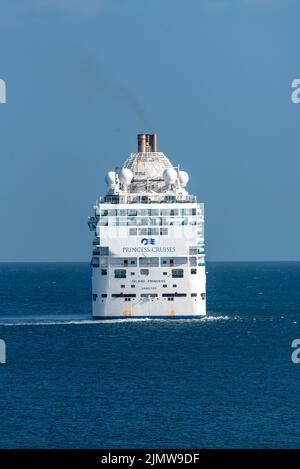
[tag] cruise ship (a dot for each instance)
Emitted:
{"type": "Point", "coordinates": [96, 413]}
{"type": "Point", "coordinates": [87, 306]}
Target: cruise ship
{"type": "Point", "coordinates": [148, 256]}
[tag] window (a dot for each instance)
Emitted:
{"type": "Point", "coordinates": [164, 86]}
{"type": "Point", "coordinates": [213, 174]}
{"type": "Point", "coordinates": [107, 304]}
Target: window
{"type": "Point", "coordinates": [153, 231]}
{"type": "Point", "coordinates": [103, 262]}
{"type": "Point", "coordinates": [143, 221]}
{"type": "Point", "coordinates": [131, 221]}
{"type": "Point", "coordinates": [193, 251]}
{"type": "Point", "coordinates": [179, 261]}
{"type": "Point", "coordinates": [193, 294]}
{"type": "Point", "coordinates": [174, 285]}
{"type": "Point", "coordinates": [170, 212]}
{"type": "Point", "coordinates": [174, 212]}
{"type": "Point", "coordinates": [165, 273]}
{"type": "Point", "coordinates": [170, 299]}
{"type": "Point", "coordinates": [172, 295]}
{"type": "Point", "coordinates": [132, 273]}
{"type": "Point", "coordinates": [142, 212]}
{"type": "Point", "coordinates": [144, 271]}
{"type": "Point", "coordinates": [193, 261]}
{"type": "Point", "coordinates": [123, 295]}
{"type": "Point", "coordinates": [193, 271]}
{"type": "Point", "coordinates": [165, 286]}
{"type": "Point", "coordinates": [149, 261]}
{"type": "Point", "coordinates": [95, 261]}
{"type": "Point", "coordinates": [112, 212]}
{"type": "Point", "coordinates": [148, 231]}
{"type": "Point", "coordinates": [131, 213]}
{"type": "Point", "coordinates": [122, 261]}
{"type": "Point", "coordinates": [154, 221]}
{"type": "Point", "coordinates": [132, 286]}
{"type": "Point", "coordinates": [120, 273]}
{"type": "Point", "coordinates": [122, 286]}
{"type": "Point", "coordinates": [103, 251]}
{"type": "Point", "coordinates": [104, 295]}
{"type": "Point", "coordinates": [165, 212]}
{"type": "Point", "coordinates": [133, 231]}
{"type": "Point", "coordinates": [173, 262]}
{"type": "Point", "coordinates": [103, 271]}
{"type": "Point", "coordinates": [164, 232]}
{"type": "Point", "coordinates": [95, 296]}
{"type": "Point", "coordinates": [203, 296]}
{"type": "Point", "coordinates": [189, 211]}
{"type": "Point", "coordinates": [177, 273]}
{"type": "Point", "coordinates": [119, 222]}
{"type": "Point", "coordinates": [154, 212]}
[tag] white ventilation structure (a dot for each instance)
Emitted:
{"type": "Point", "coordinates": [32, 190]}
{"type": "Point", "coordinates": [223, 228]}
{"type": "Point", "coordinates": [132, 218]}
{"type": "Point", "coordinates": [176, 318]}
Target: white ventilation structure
{"type": "Point", "coordinates": [147, 171]}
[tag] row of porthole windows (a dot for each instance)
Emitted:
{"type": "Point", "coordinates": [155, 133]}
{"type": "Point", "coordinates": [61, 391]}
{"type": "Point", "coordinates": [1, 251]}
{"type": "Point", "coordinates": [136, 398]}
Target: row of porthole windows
{"type": "Point", "coordinates": [149, 212]}
{"type": "Point", "coordinates": [143, 261]}
{"type": "Point", "coordinates": [147, 295]}
{"type": "Point", "coordinates": [152, 222]}
{"type": "Point", "coordinates": [165, 285]}
{"type": "Point", "coordinates": [121, 273]}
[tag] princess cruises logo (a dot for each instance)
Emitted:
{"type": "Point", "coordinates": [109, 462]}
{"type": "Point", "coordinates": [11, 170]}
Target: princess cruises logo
{"type": "Point", "coordinates": [146, 241]}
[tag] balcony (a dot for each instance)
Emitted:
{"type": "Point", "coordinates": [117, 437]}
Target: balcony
{"type": "Point", "coordinates": [147, 199]}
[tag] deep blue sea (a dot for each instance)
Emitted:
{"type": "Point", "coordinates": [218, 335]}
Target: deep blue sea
{"type": "Point", "coordinates": [223, 382]}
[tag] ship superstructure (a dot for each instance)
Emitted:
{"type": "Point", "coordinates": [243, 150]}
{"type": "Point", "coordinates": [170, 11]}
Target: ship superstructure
{"type": "Point", "coordinates": [148, 250]}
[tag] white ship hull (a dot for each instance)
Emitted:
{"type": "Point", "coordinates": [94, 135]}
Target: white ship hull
{"type": "Point", "coordinates": [148, 256]}
{"type": "Point", "coordinates": [149, 298]}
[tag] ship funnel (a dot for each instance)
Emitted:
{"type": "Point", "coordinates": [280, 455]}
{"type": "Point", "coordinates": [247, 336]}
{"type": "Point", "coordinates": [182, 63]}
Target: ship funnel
{"type": "Point", "coordinates": [153, 142]}
{"type": "Point", "coordinates": [141, 143]}
{"type": "Point", "coordinates": [147, 143]}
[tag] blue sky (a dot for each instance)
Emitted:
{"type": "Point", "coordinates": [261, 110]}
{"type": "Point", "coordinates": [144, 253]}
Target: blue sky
{"type": "Point", "coordinates": [211, 77]}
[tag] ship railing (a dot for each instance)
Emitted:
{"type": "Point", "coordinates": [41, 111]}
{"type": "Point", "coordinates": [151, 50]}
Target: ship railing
{"type": "Point", "coordinates": [143, 199]}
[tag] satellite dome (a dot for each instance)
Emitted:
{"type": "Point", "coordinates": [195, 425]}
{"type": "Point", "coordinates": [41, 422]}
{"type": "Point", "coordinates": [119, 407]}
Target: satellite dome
{"type": "Point", "coordinates": [125, 176]}
{"type": "Point", "coordinates": [183, 178]}
{"type": "Point", "coordinates": [110, 178]}
{"type": "Point", "coordinates": [170, 175]}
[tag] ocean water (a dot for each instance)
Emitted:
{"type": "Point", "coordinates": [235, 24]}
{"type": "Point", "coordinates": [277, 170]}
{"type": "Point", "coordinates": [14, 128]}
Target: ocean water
{"type": "Point", "coordinates": [223, 382]}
